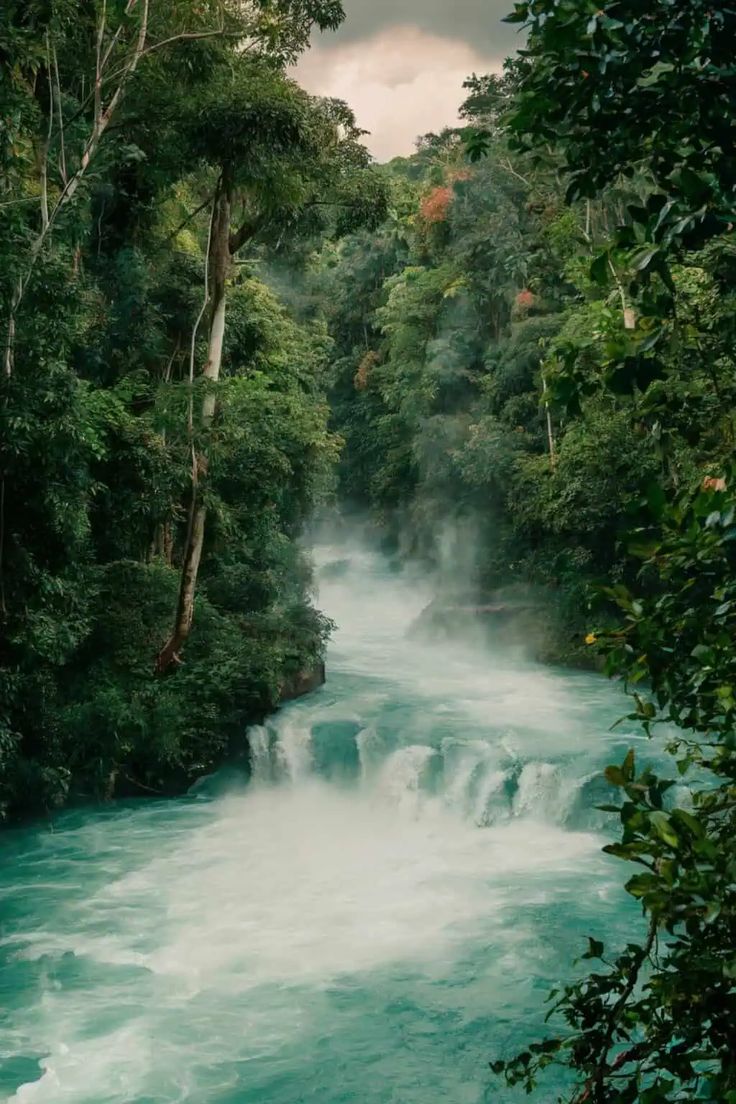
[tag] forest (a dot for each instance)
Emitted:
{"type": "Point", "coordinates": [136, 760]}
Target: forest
{"type": "Point", "coordinates": [165, 429]}
{"type": "Point", "coordinates": [221, 320]}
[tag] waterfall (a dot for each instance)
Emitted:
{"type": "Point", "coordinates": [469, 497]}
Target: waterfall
{"type": "Point", "coordinates": [294, 750]}
{"type": "Point", "coordinates": [259, 743]}
{"type": "Point", "coordinates": [402, 777]}
{"type": "Point", "coordinates": [484, 782]}
{"type": "Point", "coordinates": [410, 864]}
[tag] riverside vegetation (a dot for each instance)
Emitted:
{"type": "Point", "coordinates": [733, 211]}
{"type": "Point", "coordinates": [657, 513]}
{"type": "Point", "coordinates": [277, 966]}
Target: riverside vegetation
{"type": "Point", "coordinates": [527, 328]}
{"type": "Point", "coordinates": [550, 352]}
{"type": "Point", "coordinates": [164, 426]}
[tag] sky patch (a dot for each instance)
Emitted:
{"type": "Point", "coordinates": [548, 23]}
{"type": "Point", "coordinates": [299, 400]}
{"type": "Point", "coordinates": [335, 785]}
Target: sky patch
{"type": "Point", "coordinates": [400, 64]}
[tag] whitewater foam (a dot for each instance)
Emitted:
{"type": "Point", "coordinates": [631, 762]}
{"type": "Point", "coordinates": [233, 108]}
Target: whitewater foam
{"type": "Point", "coordinates": [398, 879]}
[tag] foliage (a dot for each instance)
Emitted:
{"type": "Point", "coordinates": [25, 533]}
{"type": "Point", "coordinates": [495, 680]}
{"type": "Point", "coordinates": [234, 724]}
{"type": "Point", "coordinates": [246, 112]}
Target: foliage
{"type": "Point", "coordinates": [104, 227]}
{"type": "Point", "coordinates": [551, 371]}
{"type": "Point", "coordinates": [619, 91]}
{"type": "Point", "coordinates": [656, 1024]}
{"type": "Point", "coordinates": [551, 368]}
{"type": "Point", "coordinates": [441, 325]}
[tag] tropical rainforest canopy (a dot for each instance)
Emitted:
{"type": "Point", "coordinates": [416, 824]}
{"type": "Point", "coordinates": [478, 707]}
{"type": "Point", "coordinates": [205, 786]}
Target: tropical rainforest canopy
{"type": "Point", "coordinates": [165, 429]}
{"type": "Point", "coordinates": [218, 314]}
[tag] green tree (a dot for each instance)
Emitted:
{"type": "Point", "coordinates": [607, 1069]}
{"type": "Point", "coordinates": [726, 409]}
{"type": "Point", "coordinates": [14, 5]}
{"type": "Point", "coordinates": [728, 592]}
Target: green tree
{"type": "Point", "coordinates": [620, 91]}
{"type": "Point", "coordinates": [105, 222]}
{"type": "Point", "coordinates": [286, 155]}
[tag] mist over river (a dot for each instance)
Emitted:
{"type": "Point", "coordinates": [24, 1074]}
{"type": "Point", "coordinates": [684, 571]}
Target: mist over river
{"type": "Point", "coordinates": [372, 919]}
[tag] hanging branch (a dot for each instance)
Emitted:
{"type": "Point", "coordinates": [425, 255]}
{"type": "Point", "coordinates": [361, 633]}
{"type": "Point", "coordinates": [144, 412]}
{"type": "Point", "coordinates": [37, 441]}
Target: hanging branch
{"type": "Point", "coordinates": [44, 166]}
{"type": "Point", "coordinates": [188, 219]}
{"type": "Point", "coordinates": [595, 1087]}
{"type": "Point", "coordinates": [60, 113]}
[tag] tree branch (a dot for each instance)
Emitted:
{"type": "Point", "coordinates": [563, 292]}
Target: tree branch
{"type": "Point", "coordinates": [106, 77]}
{"type": "Point", "coordinates": [245, 234]}
{"type": "Point", "coordinates": [185, 36]}
{"type": "Point", "coordinates": [189, 218]}
{"type": "Point", "coordinates": [99, 63]}
{"type": "Point", "coordinates": [44, 166]}
{"type": "Point", "coordinates": [509, 169]}
{"type": "Point", "coordinates": [60, 112]}
{"type": "Point", "coordinates": [205, 304]}
{"type": "Point", "coordinates": [594, 1090]}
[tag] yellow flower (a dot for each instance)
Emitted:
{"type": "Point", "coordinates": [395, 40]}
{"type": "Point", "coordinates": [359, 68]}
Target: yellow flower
{"type": "Point", "coordinates": [591, 638]}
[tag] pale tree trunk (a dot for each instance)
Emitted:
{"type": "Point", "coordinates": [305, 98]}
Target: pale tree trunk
{"type": "Point", "coordinates": [102, 117]}
{"type": "Point", "coordinates": [550, 430]}
{"type": "Point", "coordinates": [628, 311]}
{"type": "Point", "coordinates": [105, 74]}
{"type": "Point", "coordinates": [103, 114]}
{"type": "Point", "coordinates": [50, 213]}
{"type": "Point", "coordinates": [219, 262]}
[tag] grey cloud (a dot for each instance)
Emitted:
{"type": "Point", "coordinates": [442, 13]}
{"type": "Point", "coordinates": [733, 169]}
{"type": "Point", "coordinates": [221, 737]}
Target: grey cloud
{"type": "Point", "coordinates": [401, 63]}
{"type": "Point", "coordinates": [477, 22]}
{"type": "Point", "coordinates": [401, 82]}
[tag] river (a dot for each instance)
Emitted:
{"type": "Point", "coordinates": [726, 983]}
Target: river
{"type": "Point", "coordinates": [377, 915]}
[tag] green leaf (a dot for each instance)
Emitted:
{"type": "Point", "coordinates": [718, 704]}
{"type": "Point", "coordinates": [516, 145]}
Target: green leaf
{"type": "Point", "coordinates": [600, 272]}
{"type": "Point", "coordinates": [520, 14]}
{"type": "Point", "coordinates": [656, 499]}
{"type": "Point", "coordinates": [662, 825]}
{"type": "Point", "coordinates": [693, 825]}
{"type": "Point", "coordinates": [654, 75]}
{"type": "Point", "coordinates": [704, 654]}
{"type": "Point", "coordinates": [642, 260]}
{"type": "Point", "coordinates": [644, 549]}
{"type": "Point", "coordinates": [713, 911]}
{"type": "Point", "coordinates": [642, 884]}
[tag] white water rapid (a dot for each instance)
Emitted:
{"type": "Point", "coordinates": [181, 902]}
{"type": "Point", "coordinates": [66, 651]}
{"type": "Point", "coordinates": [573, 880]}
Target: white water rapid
{"type": "Point", "coordinates": [371, 919]}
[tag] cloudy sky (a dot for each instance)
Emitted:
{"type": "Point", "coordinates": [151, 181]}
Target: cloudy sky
{"type": "Point", "coordinates": [400, 64]}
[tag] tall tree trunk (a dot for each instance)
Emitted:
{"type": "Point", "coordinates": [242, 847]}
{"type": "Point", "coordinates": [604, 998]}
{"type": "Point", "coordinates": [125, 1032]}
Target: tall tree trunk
{"type": "Point", "coordinates": [162, 543]}
{"type": "Point", "coordinates": [550, 428]}
{"type": "Point", "coordinates": [102, 117]}
{"type": "Point", "coordinates": [219, 262]}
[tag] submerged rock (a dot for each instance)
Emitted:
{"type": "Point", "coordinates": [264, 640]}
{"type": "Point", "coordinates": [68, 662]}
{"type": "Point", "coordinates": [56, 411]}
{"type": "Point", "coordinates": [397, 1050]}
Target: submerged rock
{"type": "Point", "coordinates": [443, 619]}
{"type": "Point", "coordinates": [337, 569]}
{"type": "Point", "coordinates": [226, 780]}
{"type": "Point", "coordinates": [303, 682]}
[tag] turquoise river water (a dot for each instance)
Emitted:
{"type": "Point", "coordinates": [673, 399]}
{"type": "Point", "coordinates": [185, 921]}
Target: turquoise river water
{"type": "Point", "coordinates": [372, 919]}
